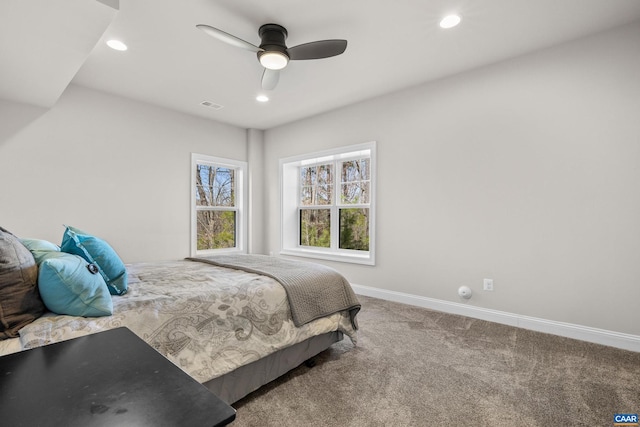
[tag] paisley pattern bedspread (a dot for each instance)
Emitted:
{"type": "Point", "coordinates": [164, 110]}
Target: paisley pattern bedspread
{"type": "Point", "coordinates": [207, 320]}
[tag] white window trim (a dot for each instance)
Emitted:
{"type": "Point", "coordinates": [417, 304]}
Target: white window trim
{"type": "Point", "coordinates": [289, 194]}
{"type": "Point", "coordinates": [241, 203]}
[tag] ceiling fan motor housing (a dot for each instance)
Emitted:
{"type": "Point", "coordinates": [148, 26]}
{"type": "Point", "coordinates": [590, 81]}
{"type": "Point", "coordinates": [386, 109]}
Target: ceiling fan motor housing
{"type": "Point", "coordinates": [273, 38]}
{"type": "Point", "coordinates": [273, 53]}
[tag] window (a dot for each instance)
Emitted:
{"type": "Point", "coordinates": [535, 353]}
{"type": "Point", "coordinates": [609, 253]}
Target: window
{"type": "Point", "coordinates": [328, 204]}
{"type": "Point", "coordinates": [218, 221]}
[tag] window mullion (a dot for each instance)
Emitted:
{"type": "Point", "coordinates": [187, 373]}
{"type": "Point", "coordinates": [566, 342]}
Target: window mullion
{"type": "Point", "coordinates": [334, 227]}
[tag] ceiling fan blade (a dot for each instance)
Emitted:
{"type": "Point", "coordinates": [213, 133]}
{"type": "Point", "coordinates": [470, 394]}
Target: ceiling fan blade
{"type": "Point", "coordinates": [228, 38]}
{"type": "Point", "coordinates": [317, 50]}
{"type": "Point", "coordinates": [270, 79]}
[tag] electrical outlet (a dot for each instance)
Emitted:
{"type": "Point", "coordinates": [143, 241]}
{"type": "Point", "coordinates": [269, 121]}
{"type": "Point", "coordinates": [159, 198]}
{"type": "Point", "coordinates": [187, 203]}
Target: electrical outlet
{"type": "Point", "coordinates": [488, 284]}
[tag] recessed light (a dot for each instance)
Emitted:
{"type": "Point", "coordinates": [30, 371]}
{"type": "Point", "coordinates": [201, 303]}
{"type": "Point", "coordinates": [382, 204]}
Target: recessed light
{"type": "Point", "coordinates": [262, 98]}
{"type": "Point", "coordinates": [450, 21]}
{"type": "Point", "coordinates": [117, 45]}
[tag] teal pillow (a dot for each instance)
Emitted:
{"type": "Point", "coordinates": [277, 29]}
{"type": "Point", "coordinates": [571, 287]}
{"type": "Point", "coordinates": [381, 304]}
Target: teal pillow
{"type": "Point", "coordinates": [97, 251]}
{"type": "Point", "coordinates": [70, 285]}
{"type": "Point", "coordinates": [39, 248]}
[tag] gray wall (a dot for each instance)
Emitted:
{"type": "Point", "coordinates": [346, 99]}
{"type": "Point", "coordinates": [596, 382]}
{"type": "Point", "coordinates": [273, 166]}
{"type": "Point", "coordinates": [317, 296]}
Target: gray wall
{"type": "Point", "coordinates": [526, 172]}
{"type": "Point", "coordinates": [108, 165]}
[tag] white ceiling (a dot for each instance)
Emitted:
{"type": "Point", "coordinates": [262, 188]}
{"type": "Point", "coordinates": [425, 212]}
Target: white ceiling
{"type": "Point", "coordinates": [391, 46]}
{"type": "Point", "coordinates": [43, 44]}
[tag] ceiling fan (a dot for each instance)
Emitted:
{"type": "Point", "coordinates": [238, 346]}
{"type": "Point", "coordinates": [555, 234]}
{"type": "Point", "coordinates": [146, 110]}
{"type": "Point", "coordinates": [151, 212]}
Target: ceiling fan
{"type": "Point", "coordinates": [273, 53]}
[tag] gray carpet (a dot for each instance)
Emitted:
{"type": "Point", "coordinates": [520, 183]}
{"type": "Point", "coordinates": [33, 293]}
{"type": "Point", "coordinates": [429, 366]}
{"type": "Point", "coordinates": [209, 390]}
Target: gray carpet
{"type": "Point", "coordinates": [417, 367]}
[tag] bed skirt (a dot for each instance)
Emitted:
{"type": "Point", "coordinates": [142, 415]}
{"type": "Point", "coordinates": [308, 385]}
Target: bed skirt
{"type": "Point", "coordinates": [237, 384]}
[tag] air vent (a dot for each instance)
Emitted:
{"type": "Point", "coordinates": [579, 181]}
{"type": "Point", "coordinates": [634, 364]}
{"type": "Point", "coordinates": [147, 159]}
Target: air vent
{"type": "Point", "coordinates": [210, 104]}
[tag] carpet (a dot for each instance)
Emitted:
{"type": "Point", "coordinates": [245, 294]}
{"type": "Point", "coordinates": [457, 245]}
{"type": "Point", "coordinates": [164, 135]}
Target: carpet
{"type": "Point", "coordinates": [418, 367]}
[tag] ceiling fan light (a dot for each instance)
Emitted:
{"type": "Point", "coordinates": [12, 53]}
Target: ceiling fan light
{"type": "Point", "coordinates": [274, 60]}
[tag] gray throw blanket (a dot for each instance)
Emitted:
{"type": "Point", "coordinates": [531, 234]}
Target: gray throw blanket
{"type": "Point", "coordinates": [313, 290]}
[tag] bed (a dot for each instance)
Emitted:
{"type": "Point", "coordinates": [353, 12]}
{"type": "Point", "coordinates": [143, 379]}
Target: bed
{"type": "Point", "coordinates": [232, 327]}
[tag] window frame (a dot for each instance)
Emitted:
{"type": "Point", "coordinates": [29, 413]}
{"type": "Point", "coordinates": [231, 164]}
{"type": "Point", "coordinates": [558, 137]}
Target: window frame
{"type": "Point", "coordinates": [241, 203]}
{"type": "Point", "coordinates": [290, 204]}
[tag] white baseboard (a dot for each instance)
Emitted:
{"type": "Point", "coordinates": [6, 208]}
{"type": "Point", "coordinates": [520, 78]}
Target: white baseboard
{"type": "Point", "coordinates": [569, 330]}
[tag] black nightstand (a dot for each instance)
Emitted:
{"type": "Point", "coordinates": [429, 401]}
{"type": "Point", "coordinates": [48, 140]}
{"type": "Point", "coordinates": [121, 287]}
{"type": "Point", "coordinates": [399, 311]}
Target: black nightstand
{"type": "Point", "coordinates": [111, 378]}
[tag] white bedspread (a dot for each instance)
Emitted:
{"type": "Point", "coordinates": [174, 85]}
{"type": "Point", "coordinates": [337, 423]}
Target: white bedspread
{"type": "Point", "coordinates": [207, 320]}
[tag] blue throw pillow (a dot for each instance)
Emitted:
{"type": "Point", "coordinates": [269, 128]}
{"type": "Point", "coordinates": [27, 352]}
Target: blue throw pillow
{"type": "Point", "coordinates": [39, 248]}
{"type": "Point", "coordinates": [70, 285]}
{"type": "Point", "coordinates": [97, 251]}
